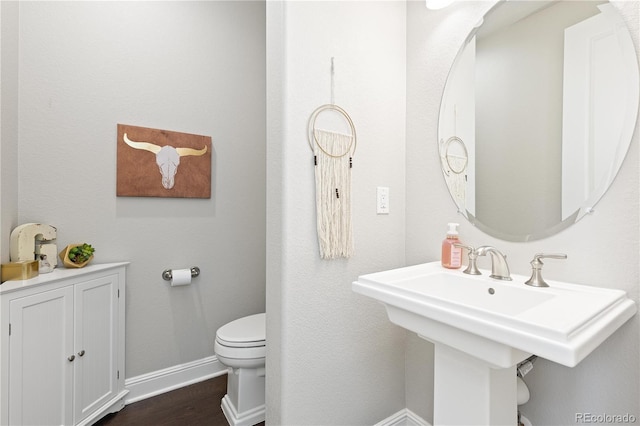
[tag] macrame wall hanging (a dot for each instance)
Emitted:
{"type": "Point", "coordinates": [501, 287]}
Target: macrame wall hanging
{"type": "Point", "coordinates": [333, 153]}
{"type": "Point", "coordinates": [454, 159]}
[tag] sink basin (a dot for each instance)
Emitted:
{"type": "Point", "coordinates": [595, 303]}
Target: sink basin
{"type": "Point", "coordinates": [468, 292]}
{"type": "Point", "coordinates": [563, 322]}
{"type": "Point", "coordinates": [482, 328]}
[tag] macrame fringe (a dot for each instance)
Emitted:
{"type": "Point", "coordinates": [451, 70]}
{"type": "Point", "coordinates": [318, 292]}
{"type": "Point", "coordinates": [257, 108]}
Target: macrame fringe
{"type": "Point", "coordinates": [333, 194]}
{"type": "Point", "coordinates": [458, 182]}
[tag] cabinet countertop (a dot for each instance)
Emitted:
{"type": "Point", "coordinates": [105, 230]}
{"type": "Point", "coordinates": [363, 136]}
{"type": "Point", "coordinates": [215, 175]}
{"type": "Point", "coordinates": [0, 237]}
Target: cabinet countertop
{"type": "Point", "coordinates": [59, 273]}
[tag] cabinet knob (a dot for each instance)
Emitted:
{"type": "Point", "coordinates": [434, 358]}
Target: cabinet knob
{"type": "Point", "coordinates": [71, 358]}
{"type": "Point", "coordinates": [81, 353]}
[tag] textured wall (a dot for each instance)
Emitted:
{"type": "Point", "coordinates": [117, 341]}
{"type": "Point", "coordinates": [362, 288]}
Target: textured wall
{"type": "Point", "coordinates": [8, 124]}
{"type": "Point", "coordinates": [194, 67]}
{"type": "Point", "coordinates": [336, 357]}
{"type": "Point", "coordinates": [602, 248]}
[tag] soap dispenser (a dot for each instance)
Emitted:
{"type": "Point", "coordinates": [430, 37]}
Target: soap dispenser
{"type": "Point", "coordinates": [451, 255]}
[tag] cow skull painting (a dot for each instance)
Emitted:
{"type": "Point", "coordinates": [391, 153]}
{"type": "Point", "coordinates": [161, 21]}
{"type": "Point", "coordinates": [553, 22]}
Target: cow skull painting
{"type": "Point", "coordinates": [184, 160]}
{"type": "Point", "coordinates": [167, 158]}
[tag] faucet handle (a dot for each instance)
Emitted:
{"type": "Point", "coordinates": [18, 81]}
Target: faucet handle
{"type": "Point", "coordinates": [472, 268]}
{"type": "Point", "coordinates": [539, 256]}
{"type": "Point", "coordinates": [536, 279]}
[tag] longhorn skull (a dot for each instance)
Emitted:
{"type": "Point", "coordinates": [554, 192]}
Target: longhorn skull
{"type": "Point", "coordinates": [167, 158]}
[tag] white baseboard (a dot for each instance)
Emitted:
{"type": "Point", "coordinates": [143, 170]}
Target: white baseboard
{"type": "Point", "coordinates": [161, 381]}
{"type": "Point", "coordinates": [404, 417]}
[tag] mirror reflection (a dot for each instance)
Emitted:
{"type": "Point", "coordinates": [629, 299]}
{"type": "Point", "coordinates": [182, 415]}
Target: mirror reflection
{"type": "Point", "coordinates": [537, 115]}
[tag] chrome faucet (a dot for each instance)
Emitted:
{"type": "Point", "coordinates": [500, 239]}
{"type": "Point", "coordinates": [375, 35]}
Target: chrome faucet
{"type": "Point", "coordinates": [536, 279]}
{"type": "Point", "coordinates": [499, 267]}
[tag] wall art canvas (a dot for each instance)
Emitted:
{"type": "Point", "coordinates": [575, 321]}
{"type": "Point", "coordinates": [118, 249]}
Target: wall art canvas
{"type": "Point", "coordinates": [162, 163]}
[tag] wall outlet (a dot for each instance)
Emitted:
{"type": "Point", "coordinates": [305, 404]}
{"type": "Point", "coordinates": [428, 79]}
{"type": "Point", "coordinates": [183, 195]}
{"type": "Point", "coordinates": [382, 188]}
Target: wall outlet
{"type": "Point", "coordinates": [383, 200]}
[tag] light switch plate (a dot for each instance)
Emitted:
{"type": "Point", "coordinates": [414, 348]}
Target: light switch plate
{"type": "Point", "coordinates": [383, 200]}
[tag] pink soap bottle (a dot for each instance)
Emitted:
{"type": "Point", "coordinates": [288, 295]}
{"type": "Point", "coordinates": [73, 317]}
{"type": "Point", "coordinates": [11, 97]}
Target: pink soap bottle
{"type": "Point", "coordinates": [451, 255]}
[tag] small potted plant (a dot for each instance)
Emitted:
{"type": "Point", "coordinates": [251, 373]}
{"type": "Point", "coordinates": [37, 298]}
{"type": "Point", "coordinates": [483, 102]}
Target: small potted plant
{"type": "Point", "coordinates": [77, 255]}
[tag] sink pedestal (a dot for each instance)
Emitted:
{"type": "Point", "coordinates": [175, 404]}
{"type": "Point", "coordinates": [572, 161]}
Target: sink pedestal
{"type": "Point", "coordinates": [469, 391]}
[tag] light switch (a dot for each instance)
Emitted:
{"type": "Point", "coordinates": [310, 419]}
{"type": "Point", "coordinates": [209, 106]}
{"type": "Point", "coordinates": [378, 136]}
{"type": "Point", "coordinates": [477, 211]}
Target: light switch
{"type": "Point", "coordinates": [383, 200]}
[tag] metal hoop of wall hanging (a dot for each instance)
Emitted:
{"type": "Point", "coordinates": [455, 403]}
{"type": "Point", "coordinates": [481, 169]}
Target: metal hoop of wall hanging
{"type": "Point", "coordinates": [313, 140]}
{"type": "Point", "coordinates": [445, 149]}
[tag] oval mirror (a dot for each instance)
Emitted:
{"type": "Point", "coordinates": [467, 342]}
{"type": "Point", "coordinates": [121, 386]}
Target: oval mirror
{"type": "Point", "coordinates": [537, 115]}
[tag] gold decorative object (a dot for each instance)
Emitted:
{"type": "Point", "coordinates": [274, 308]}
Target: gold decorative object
{"type": "Point", "coordinates": [22, 270]}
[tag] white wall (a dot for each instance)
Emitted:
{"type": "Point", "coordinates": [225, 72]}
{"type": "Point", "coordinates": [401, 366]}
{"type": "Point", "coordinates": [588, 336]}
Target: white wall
{"type": "Point", "coordinates": [603, 248]}
{"type": "Point", "coordinates": [195, 67]}
{"type": "Point", "coordinates": [333, 357]}
{"type": "Point", "coordinates": [8, 123]}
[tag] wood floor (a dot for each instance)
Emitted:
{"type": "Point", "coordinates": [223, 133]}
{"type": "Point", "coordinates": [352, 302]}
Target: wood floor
{"type": "Point", "coordinates": [194, 405]}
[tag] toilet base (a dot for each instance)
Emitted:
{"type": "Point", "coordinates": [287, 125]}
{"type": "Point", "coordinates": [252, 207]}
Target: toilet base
{"type": "Point", "coordinates": [247, 418]}
{"type": "Point", "coordinates": [244, 403]}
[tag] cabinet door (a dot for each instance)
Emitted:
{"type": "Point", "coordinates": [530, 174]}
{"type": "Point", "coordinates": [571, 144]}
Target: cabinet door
{"type": "Point", "coordinates": [96, 319]}
{"type": "Point", "coordinates": [40, 372]}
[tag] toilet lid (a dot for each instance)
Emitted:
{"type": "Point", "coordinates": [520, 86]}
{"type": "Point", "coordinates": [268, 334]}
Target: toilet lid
{"type": "Point", "coordinates": [251, 329]}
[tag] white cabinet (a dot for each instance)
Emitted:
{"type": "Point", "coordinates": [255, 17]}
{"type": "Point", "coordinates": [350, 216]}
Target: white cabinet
{"type": "Point", "coordinates": [62, 346]}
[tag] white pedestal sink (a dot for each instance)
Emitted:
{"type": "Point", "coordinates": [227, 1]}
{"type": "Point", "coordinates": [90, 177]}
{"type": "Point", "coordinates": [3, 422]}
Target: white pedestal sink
{"type": "Point", "coordinates": [482, 328]}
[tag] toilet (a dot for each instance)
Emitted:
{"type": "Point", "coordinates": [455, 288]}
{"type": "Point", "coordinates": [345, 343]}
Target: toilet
{"type": "Point", "coordinates": [240, 345]}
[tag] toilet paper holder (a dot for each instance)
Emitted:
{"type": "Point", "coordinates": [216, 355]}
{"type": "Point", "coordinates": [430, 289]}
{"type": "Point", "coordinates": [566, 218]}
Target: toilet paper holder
{"type": "Point", "coordinates": [167, 274]}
